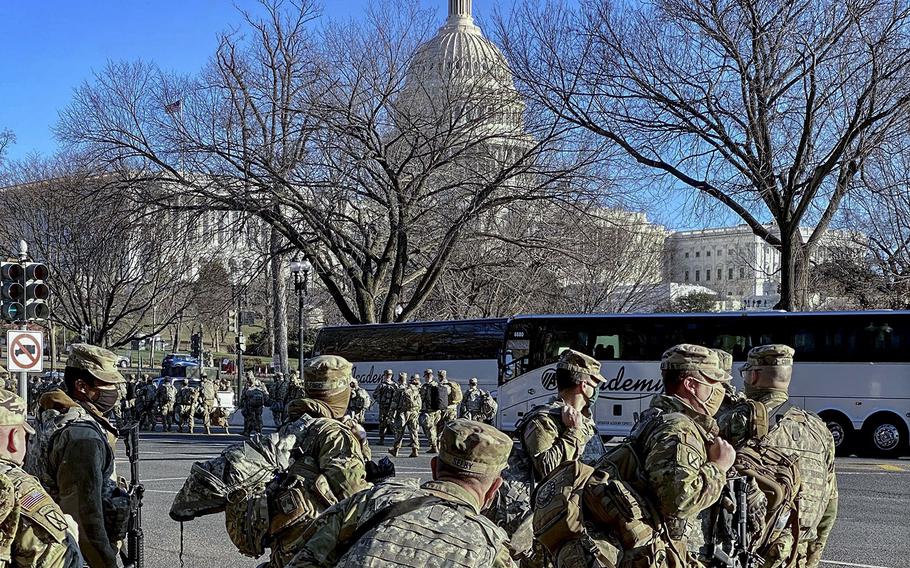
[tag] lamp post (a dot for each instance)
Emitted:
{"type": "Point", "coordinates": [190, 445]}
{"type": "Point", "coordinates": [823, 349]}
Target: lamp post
{"type": "Point", "coordinates": [301, 271]}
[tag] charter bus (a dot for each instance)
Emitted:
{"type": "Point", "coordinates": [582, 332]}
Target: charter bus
{"type": "Point", "coordinates": [851, 368]}
{"type": "Point", "coordinates": [464, 348]}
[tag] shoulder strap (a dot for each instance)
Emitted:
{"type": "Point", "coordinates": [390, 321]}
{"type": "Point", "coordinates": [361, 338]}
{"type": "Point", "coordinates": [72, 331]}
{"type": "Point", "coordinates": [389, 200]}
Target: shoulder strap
{"type": "Point", "coordinates": [774, 417]}
{"type": "Point", "coordinates": [390, 512]}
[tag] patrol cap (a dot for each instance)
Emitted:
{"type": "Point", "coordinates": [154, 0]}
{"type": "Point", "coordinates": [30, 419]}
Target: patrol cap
{"type": "Point", "coordinates": [474, 447]}
{"type": "Point", "coordinates": [775, 355]}
{"type": "Point", "coordinates": [689, 357]}
{"type": "Point", "coordinates": [403, 375]}
{"type": "Point", "coordinates": [99, 362]}
{"type": "Point", "coordinates": [724, 360]}
{"type": "Point", "coordinates": [472, 381]}
{"type": "Point", "coordinates": [442, 373]}
{"type": "Point", "coordinates": [415, 378]}
{"type": "Point", "coordinates": [428, 372]}
{"type": "Point", "coordinates": [327, 373]}
{"type": "Point", "coordinates": [12, 411]}
{"type": "Point", "coordinates": [388, 372]}
{"type": "Point", "coordinates": [577, 362]}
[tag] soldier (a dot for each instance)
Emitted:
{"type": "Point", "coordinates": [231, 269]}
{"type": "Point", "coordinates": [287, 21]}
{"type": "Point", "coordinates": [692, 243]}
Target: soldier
{"type": "Point", "coordinates": [36, 533]}
{"type": "Point", "coordinates": [295, 389]}
{"type": "Point", "coordinates": [165, 397]}
{"type": "Point", "coordinates": [402, 380]}
{"type": "Point", "coordinates": [73, 454]}
{"type": "Point", "coordinates": [455, 397]}
{"type": "Point", "coordinates": [327, 450]}
{"type": "Point", "coordinates": [8, 382]}
{"type": "Point", "coordinates": [466, 476]}
{"type": "Point", "coordinates": [185, 408]}
{"type": "Point", "coordinates": [207, 399]}
{"type": "Point", "coordinates": [471, 403]}
{"type": "Point", "coordinates": [278, 397]}
{"type": "Point", "coordinates": [384, 394]}
{"type": "Point", "coordinates": [253, 398]}
{"type": "Point", "coordinates": [146, 401]}
{"type": "Point", "coordinates": [429, 416]}
{"type": "Point", "coordinates": [793, 430]}
{"type": "Point", "coordinates": [360, 402]}
{"type": "Point", "coordinates": [407, 405]}
{"type": "Point", "coordinates": [731, 397]}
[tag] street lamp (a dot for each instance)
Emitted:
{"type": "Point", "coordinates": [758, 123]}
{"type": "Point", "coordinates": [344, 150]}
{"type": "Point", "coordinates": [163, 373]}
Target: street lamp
{"type": "Point", "coordinates": [301, 271]}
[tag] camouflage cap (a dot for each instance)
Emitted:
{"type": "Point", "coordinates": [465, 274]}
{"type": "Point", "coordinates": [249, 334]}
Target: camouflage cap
{"type": "Point", "coordinates": [689, 357]}
{"type": "Point", "coordinates": [474, 447]}
{"type": "Point", "coordinates": [415, 378]}
{"type": "Point", "coordinates": [12, 411]}
{"type": "Point", "coordinates": [442, 373]}
{"type": "Point", "coordinates": [577, 362]}
{"type": "Point", "coordinates": [428, 371]}
{"type": "Point", "coordinates": [403, 375]}
{"type": "Point", "coordinates": [327, 373]}
{"type": "Point", "coordinates": [388, 372]}
{"type": "Point", "coordinates": [472, 381]}
{"type": "Point", "coordinates": [724, 360]}
{"type": "Point", "coordinates": [776, 355]}
{"type": "Point", "coordinates": [99, 362]}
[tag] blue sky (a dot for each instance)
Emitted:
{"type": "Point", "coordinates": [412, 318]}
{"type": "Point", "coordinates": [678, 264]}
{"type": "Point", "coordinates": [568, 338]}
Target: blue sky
{"type": "Point", "coordinates": [49, 47]}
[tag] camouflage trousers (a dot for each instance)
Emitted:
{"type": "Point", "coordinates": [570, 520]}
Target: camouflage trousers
{"type": "Point", "coordinates": [218, 417]}
{"type": "Point", "coordinates": [252, 421]}
{"type": "Point", "coordinates": [206, 408]}
{"type": "Point", "coordinates": [279, 412]}
{"type": "Point", "coordinates": [446, 416]}
{"type": "Point", "coordinates": [429, 422]}
{"type": "Point", "coordinates": [166, 413]}
{"type": "Point", "coordinates": [386, 423]}
{"type": "Point", "coordinates": [186, 416]}
{"type": "Point", "coordinates": [406, 422]}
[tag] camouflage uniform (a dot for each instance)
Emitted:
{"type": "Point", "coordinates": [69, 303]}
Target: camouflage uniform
{"type": "Point", "coordinates": [145, 399]}
{"type": "Point", "coordinates": [436, 524]}
{"type": "Point", "coordinates": [455, 398]}
{"type": "Point", "coordinates": [73, 457]}
{"type": "Point", "coordinates": [206, 401]}
{"type": "Point", "coordinates": [329, 457]}
{"type": "Point", "coordinates": [799, 432]}
{"type": "Point", "coordinates": [252, 403]}
{"type": "Point", "coordinates": [429, 418]}
{"type": "Point", "coordinates": [384, 395]}
{"type": "Point", "coordinates": [295, 389]}
{"type": "Point", "coordinates": [407, 404]}
{"type": "Point", "coordinates": [471, 403]}
{"type": "Point", "coordinates": [185, 408]}
{"type": "Point", "coordinates": [279, 399]}
{"type": "Point", "coordinates": [34, 532]}
{"type": "Point", "coordinates": [165, 397]}
{"type": "Point", "coordinates": [360, 402]}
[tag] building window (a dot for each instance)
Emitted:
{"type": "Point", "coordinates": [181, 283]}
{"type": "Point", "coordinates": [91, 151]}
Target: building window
{"type": "Point", "coordinates": [742, 272]}
{"type": "Point", "coordinates": [698, 254]}
{"type": "Point", "coordinates": [708, 253]}
{"type": "Point", "coordinates": [731, 252]}
{"type": "Point", "coordinates": [719, 273]}
{"type": "Point", "coordinates": [687, 275]}
{"type": "Point", "coordinates": [720, 252]}
{"type": "Point", "coordinates": [697, 275]}
{"type": "Point", "coordinates": [687, 255]}
{"type": "Point", "coordinates": [730, 274]}
{"type": "Point", "coordinates": [708, 275]}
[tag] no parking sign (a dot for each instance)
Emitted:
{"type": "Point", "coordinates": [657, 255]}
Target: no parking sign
{"type": "Point", "coordinates": [25, 351]}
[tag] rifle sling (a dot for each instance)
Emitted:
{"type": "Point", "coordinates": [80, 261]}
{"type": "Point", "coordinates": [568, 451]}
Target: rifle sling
{"type": "Point", "coordinates": [390, 512]}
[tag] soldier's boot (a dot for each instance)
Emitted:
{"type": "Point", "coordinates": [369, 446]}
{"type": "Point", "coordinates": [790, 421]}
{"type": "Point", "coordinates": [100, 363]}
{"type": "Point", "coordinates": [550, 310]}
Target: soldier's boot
{"type": "Point", "coordinates": [393, 451]}
{"type": "Point", "coordinates": [433, 450]}
{"type": "Point", "coordinates": [413, 452]}
{"type": "Point", "coordinates": [208, 430]}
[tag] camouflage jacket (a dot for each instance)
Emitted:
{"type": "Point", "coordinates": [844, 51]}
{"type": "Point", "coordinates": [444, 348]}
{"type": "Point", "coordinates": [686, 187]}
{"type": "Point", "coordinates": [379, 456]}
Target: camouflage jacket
{"type": "Point", "coordinates": [280, 392]}
{"type": "Point", "coordinates": [461, 536]}
{"type": "Point", "coordinates": [547, 441]}
{"type": "Point", "coordinates": [472, 400]}
{"type": "Point", "coordinates": [73, 457]}
{"type": "Point", "coordinates": [803, 433]}
{"type": "Point", "coordinates": [407, 399]}
{"type": "Point", "coordinates": [360, 400]}
{"type": "Point", "coordinates": [385, 394]}
{"type": "Point", "coordinates": [37, 536]}
{"type": "Point", "coordinates": [675, 464]}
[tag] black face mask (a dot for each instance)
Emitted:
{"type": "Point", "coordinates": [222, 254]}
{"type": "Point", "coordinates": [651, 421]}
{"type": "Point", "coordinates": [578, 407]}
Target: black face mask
{"type": "Point", "coordinates": [106, 400]}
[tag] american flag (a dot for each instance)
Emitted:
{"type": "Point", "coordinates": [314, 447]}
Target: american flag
{"type": "Point", "coordinates": [32, 499]}
{"type": "Point", "coordinates": [174, 107]}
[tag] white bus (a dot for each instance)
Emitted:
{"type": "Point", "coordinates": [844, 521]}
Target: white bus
{"type": "Point", "coordinates": [464, 348]}
{"type": "Point", "coordinates": [852, 368]}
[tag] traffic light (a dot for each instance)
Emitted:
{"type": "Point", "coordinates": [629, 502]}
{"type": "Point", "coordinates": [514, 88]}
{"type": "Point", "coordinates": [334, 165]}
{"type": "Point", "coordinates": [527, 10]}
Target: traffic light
{"type": "Point", "coordinates": [36, 291]}
{"type": "Point", "coordinates": [196, 345]}
{"type": "Point", "coordinates": [13, 291]}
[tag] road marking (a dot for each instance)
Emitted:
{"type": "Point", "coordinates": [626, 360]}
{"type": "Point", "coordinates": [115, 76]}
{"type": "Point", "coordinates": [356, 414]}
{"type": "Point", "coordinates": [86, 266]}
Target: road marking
{"type": "Point", "coordinates": [836, 563]}
{"type": "Point", "coordinates": [164, 479]}
{"type": "Point", "coordinates": [889, 467]}
{"type": "Point", "coordinates": [160, 491]}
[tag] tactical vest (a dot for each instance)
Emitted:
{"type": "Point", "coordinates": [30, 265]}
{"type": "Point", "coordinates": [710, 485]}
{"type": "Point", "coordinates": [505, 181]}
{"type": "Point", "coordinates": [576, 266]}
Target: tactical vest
{"type": "Point", "coordinates": [208, 393]}
{"type": "Point", "coordinates": [166, 395]}
{"type": "Point", "coordinates": [385, 394]}
{"type": "Point", "coordinates": [473, 400]}
{"type": "Point", "coordinates": [409, 400]}
{"type": "Point", "coordinates": [255, 398]}
{"type": "Point", "coordinates": [186, 396]}
{"type": "Point", "coordinates": [460, 537]}
{"type": "Point", "coordinates": [358, 400]}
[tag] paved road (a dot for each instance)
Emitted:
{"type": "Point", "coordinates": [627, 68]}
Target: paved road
{"type": "Point", "coordinates": [873, 528]}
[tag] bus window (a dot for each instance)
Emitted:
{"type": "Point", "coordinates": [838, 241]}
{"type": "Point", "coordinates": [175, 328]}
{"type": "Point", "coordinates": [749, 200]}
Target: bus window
{"type": "Point", "coordinates": [606, 348]}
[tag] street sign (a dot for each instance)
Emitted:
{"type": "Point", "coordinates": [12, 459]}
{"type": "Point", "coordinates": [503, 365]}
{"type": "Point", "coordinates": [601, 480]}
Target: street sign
{"type": "Point", "coordinates": [25, 351]}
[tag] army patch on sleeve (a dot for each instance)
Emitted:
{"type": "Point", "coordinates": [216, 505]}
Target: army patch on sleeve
{"type": "Point", "coordinates": [687, 456]}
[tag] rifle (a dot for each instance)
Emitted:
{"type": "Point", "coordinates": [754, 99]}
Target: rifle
{"type": "Point", "coordinates": [727, 539]}
{"type": "Point", "coordinates": [135, 539]}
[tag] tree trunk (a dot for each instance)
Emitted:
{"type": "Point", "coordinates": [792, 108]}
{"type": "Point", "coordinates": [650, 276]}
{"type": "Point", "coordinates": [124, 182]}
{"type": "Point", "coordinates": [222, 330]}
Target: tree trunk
{"type": "Point", "coordinates": [279, 289]}
{"type": "Point", "coordinates": [789, 254]}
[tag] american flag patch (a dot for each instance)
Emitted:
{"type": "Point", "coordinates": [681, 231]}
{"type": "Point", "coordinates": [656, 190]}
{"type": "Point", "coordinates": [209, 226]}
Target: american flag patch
{"type": "Point", "coordinates": [31, 500]}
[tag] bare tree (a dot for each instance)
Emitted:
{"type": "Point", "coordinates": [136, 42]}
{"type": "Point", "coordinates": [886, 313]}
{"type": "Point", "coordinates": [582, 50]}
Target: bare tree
{"type": "Point", "coordinates": [768, 108]}
{"type": "Point", "coordinates": [369, 160]}
{"type": "Point", "coordinates": [111, 266]}
{"type": "Point", "coordinates": [7, 139]}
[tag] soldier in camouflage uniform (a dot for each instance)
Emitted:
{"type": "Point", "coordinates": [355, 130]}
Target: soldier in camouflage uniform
{"type": "Point", "coordinates": [295, 389]}
{"type": "Point", "coordinates": [145, 400]}
{"type": "Point", "coordinates": [466, 475]}
{"type": "Point", "coordinates": [455, 398]}
{"type": "Point", "coordinates": [471, 403]}
{"type": "Point", "coordinates": [185, 407]}
{"type": "Point", "coordinates": [793, 430]}
{"type": "Point", "coordinates": [165, 397]}
{"type": "Point", "coordinates": [7, 381]}
{"type": "Point", "coordinates": [407, 404]}
{"type": "Point", "coordinates": [384, 395]}
{"type": "Point", "coordinates": [207, 400]}
{"type": "Point", "coordinates": [360, 402]}
{"type": "Point", "coordinates": [429, 417]}
{"type": "Point", "coordinates": [73, 453]}
{"type": "Point", "coordinates": [253, 399]}
{"type": "Point", "coordinates": [34, 531]}
{"type": "Point", "coordinates": [279, 394]}
{"type": "Point", "coordinates": [329, 455]}
{"type": "Point", "coordinates": [402, 380]}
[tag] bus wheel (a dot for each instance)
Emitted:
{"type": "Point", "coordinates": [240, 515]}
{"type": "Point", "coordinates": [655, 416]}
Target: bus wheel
{"type": "Point", "coordinates": [842, 431]}
{"type": "Point", "coordinates": [888, 436]}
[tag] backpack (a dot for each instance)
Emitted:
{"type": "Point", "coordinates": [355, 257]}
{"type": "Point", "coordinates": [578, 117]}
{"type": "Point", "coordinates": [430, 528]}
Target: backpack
{"type": "Point", "coordinates": [455, 395]}
{"type": "Point", "coordinates": [165, 394]}
{"type": "Point", "coordinates": [255, 398]}
{"type": "Point", "coordinates": [409, 400]}
{"type": "Point", "coordinates": [208, 392]}
{"type": "Point", "coordinates": [439, 396]}
{"type": "Point", "coordinates": [488, 405]}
